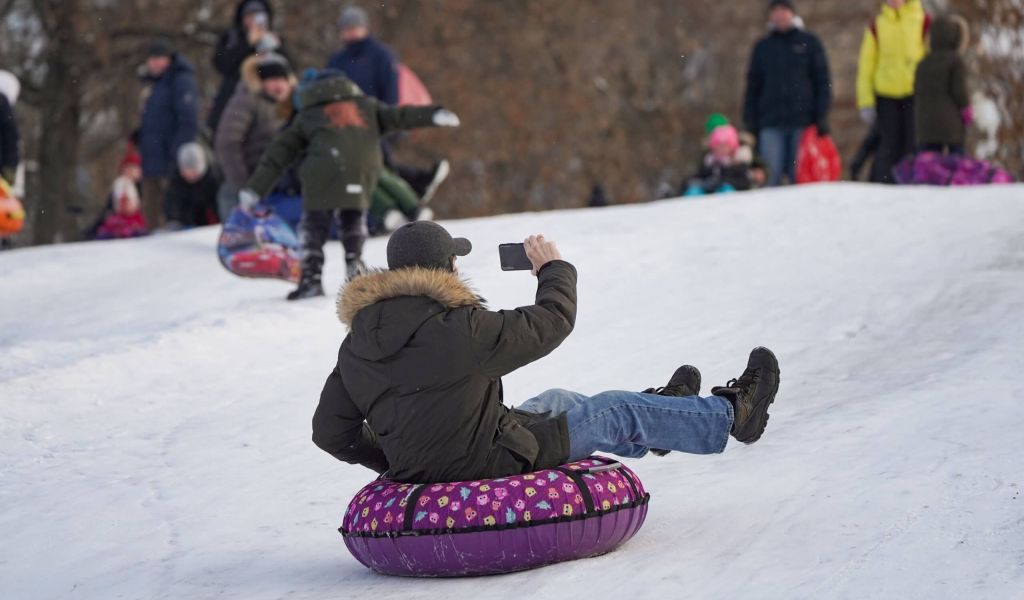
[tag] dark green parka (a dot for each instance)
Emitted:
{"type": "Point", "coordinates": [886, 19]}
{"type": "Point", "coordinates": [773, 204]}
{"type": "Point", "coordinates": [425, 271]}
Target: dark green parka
{"type": "Point", "coordinates": [422, 366]}
{"type": "Point", "coordinates": [940, 88]}
{"type": "Point", "coordinates": [337, 135]}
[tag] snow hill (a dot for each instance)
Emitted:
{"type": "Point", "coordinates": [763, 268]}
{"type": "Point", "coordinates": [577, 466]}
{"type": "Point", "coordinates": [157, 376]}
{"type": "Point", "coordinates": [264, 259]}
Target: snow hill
{"type": "Point", "coordinates": [155, 413]}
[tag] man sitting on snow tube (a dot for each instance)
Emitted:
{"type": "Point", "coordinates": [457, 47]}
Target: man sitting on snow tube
{"type": "Point", "coordinates": [417, 389]}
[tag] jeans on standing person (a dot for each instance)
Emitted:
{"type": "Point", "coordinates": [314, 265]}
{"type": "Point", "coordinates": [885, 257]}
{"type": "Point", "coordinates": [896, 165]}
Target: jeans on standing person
{"type": "Point", "coordinates": [895, 119]}
{"type": "Point", "coordinates": [628, 424]}
{"type": "Point", "coordinates": [778, 147]}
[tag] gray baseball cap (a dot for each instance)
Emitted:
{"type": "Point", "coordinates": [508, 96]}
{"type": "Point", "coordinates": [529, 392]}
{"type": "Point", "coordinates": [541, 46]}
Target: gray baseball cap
{"type": "Point", "coordinates": [424, 244]}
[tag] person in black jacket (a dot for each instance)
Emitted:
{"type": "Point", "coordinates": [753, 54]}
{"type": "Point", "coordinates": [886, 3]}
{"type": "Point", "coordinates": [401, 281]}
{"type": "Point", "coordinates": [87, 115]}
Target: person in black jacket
{"type": "Point", "coordinates": [10, 153]}
{"type": "Point", "coordinates": [788, 89]}
{"type": "Point", "coordinates": [252, 33]}
{"type": "Point", "coordinates": [191, 199]}
{"type": "Point", "coordinates": [417, 389]}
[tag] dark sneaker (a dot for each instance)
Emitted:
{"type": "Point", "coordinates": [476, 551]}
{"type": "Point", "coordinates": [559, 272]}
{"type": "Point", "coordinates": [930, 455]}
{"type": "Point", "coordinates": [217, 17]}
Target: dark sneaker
{"type": "Point", "coordinates": [751, 395]}
{"type": "Point", "coordinates": [685, 382]}
{"type": "Point", "coordinates": [309, 287]}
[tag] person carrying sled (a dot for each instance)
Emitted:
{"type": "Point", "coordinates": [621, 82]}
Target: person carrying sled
{"type": "Point", "coordinates": [337, 136]}
{"type": "Point", "coordinates": [943, 105]}
{"type": "Point", "coordinates": [417, 390]}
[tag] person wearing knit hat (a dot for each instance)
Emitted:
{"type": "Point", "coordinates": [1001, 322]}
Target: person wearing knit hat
{"type": "Point", "coordinates": [259, 109]}
{"type": "Point", "coordinates": [252, 33]}
{"type": "Point", "coordinates": [789, 88]}
{"type": "Point", "coordinates": [191, 199]}
{"type": "Point", "coordinates": [722, 170]}
{"type": "Point", "coordinates": [170, 119]}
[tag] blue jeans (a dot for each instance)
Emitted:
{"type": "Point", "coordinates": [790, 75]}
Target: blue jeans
{"type": "Point", "coordinates": [778, 147]}
{"type": "Point", "coordinates": [628, 424]}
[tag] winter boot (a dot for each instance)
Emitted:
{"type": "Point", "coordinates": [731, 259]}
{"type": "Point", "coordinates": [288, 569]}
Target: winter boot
{"type": "Point", "coordinates": [309, 287]}
{"type": "Point", "coordinates": [751, 395]}
{"type": "Point", "coordinates": [354, 267]}
{"type": "Point", "coordinates": [685, 382]}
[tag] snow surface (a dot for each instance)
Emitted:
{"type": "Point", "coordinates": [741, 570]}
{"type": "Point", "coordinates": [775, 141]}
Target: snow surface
{"type": "Point", "coordinates": [154, 423]}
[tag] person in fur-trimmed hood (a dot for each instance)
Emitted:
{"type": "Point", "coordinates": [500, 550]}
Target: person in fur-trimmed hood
{"type": "Point", "coordinates": [417, 391]}
{"type": "Point", "coordinates": [940, 89]}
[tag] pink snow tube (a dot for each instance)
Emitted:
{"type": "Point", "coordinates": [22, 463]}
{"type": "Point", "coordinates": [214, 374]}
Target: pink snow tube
{"type": "Point", "coordinates": [582, 509]}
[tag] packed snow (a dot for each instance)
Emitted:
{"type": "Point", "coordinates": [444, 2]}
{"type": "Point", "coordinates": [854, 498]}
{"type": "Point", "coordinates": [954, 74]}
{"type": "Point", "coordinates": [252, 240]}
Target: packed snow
{"type": "Point", "coordinates": [155, 415]}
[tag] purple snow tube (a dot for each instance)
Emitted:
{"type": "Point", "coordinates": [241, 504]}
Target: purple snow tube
{"type": "Point", "coordinates": [514, 523]}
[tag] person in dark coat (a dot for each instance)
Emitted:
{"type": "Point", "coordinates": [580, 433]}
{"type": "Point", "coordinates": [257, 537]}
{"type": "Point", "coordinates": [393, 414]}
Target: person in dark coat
{"type": "Point", "coordinates": [374, 68]}
{"type": "Point", "coordinates": [170, 119]}
{"type": "Point", "coordinates": [191, 199]}
{"type": "Point", "coordinates": [252, 32]}
{"type": "Point", "coordinates": [10, 153]}
{"type": "Point", "coordinates": [260, 108]}
{"type": "Point", "coordinates": [336, 138]}
{"type": "Point", "coordinates": [366, 61]}
{"type": "Point", "coordinates": [941, 99]}
{"type": "Point", "coordinates": [788, 89]}
{"type": "Point", "coordinates": [417, 391]}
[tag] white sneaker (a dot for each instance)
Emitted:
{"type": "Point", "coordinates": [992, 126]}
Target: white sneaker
{"type": "Point", "coordinates": [440, 174]}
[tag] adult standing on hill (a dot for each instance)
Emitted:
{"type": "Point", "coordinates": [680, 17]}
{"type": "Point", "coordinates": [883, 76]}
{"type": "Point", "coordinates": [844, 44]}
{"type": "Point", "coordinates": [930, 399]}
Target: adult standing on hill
{"type": "Point", "coordinates": [365, 60]}
{"type": "Point", "coordinates": [788, 89]}
{"type": "Point", "coordinates": [372, 66]}
{"type": "Point", "coordinates": [10, 152]}
{"type": "Point", "coordinates": [170, 120]}
{"type": "Point", "coordinates": [251, 34]}
{"type": "Point", "coordinates": [894, 44]}
{"type": "Point", "coordinates": [260, 108]}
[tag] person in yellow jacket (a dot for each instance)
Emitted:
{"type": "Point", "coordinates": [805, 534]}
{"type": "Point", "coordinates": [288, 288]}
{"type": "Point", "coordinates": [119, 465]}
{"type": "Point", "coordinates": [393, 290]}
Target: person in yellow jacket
{"type": "Point", "coordinates": [894, 43]}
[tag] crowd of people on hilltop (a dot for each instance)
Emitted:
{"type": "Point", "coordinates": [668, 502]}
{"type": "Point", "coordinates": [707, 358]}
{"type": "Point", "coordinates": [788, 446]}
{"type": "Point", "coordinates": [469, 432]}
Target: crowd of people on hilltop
{"type": "Point", "coordinates": [188, 171]}
{"type": "Point", "coordinates": [183, 169]}
{"type": "Point", "coordinates": [911, 92]}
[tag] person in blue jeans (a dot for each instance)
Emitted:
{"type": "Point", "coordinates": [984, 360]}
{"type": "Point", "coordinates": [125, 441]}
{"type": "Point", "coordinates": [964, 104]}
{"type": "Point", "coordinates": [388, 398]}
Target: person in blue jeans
{"type": "Point", "coordinates": [788, 89]}
{"type": "Point", "coordinates": [417, 390]}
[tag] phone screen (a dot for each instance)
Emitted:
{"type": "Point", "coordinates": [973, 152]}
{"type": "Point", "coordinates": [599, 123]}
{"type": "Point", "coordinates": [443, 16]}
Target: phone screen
{"type": "Point", "coordinates": [513, 258]}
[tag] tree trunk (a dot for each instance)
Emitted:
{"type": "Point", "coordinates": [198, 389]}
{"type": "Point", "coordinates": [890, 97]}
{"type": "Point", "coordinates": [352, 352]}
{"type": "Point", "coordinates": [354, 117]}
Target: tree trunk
{"type": "Point", "coordinates": [60, 133]}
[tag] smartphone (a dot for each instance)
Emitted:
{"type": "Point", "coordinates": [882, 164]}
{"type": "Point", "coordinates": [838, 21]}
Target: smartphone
{"type": "Point", "coordinates": [513, 258]}
{"type": "Point", "coordinates": [261, 20]}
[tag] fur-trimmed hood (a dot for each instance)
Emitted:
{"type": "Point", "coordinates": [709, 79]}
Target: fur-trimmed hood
{"type": "Point", "coordinates": [379, 329]}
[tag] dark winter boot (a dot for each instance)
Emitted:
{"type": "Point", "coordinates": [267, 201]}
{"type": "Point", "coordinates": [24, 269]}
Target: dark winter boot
{"type": "Point", "coordinates": [751, 395]}
{"type": "Point", "coordinates": [309, 287]}
{"type": "Point", "coordinates": [685, 382]}
{"type": "Point", "coordinates": [354, 267]}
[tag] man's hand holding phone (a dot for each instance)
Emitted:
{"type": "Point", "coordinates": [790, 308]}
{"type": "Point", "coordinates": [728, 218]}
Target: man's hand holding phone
{"type": "Point", "coordinates": [540, 252]}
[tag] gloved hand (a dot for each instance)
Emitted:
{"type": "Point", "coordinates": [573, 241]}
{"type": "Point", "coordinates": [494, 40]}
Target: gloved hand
{"type": "Point", "coordinates": [868, 115]}
{"type": "Point", "coordinates": [823, 129]}
{"type": "Point", "coordinates": [446, 118]}
{"type": "Point", "coordinates": [247, 199]}
{"type": "Point", "coordinates": [967, 114]}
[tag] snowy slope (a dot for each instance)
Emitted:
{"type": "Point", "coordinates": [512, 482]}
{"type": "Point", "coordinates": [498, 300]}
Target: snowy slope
{"type": "Point", "coordinates": [154, 421]}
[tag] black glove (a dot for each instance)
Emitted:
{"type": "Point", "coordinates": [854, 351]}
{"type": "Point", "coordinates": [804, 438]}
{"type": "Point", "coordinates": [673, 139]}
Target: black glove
{"type": "Point", "coordinates": [823, 128]}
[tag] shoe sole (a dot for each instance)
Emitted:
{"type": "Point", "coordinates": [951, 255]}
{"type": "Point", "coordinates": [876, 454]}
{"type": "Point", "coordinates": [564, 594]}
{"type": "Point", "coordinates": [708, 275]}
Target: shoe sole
{"type": "Point", "coordinates": [759, 418]}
